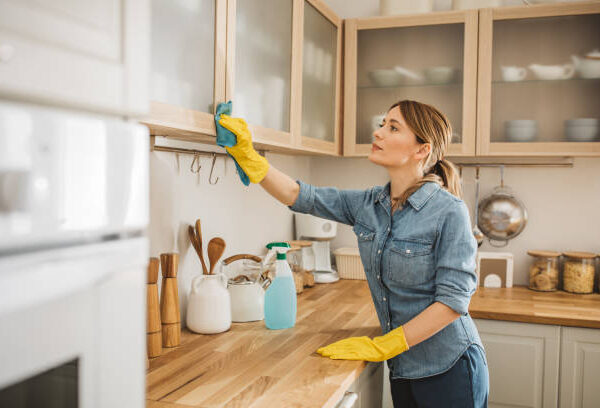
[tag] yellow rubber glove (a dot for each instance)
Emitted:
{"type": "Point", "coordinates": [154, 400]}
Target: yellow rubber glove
{"type": "Point", "coordinates": [253, 164]}
{"type": "Point", "coordinates": [363, 348]}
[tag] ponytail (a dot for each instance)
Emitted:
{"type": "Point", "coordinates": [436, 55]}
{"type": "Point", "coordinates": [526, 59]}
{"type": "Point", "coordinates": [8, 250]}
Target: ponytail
{"type": "Point", "coordinates": [444, 173]}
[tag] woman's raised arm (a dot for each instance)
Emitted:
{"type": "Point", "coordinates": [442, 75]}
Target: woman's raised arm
{"type": "Point", "coordinates": [281, 186]}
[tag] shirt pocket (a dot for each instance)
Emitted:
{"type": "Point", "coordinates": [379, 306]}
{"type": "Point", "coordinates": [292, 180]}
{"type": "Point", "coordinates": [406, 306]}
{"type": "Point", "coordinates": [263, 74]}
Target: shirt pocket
{"type": "Point", "coordinates": [365, 236]}
{"type": "Point", "coordinates": [411, 262]}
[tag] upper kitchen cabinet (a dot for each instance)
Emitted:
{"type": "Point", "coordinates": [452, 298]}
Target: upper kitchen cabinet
{"type": "Point", "coordinates": [539, 80]}
{"type": "Point", "coordinates": [259, 67]}
{"type": "Point", "coordinates": [188, 67]}
{"type": "Point", "coordinates": [321, 79]}
{"type": "Point", "coordinates": [283, 73]}
{"type": "Point", "coordinates": [430, 58]}
{"type": "Point", "coordinates": [89, 55]}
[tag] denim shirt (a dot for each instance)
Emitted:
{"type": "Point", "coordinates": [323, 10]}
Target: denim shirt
{"type": "Point", "coordinates": [421, 254]}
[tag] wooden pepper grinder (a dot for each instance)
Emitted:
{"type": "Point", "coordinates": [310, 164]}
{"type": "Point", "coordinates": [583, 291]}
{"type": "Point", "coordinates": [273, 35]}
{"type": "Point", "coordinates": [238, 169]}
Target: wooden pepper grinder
{"type": "Point", "coordinates": [169, 301]}
{"type": "Point", "coordinates": [153, 326]}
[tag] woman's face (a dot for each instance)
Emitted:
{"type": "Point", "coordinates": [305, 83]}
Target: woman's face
{"type": "Point", "coordinates": [395, 145]}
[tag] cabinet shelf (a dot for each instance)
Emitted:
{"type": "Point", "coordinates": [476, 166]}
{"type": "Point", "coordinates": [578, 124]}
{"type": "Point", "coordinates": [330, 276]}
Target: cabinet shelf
{"type": "Point", "coordinates": [586, 81]}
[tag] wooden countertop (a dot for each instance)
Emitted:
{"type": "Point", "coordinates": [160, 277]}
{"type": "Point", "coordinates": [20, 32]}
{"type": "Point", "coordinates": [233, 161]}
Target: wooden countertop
{"type": "Point", "coordinates": [250, 365]}
{"type": "Point", "coordinates": [520, 304]}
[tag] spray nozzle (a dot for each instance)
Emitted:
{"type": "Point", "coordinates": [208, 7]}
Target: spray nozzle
{"type": "Point", "coordinates": [279, 248]}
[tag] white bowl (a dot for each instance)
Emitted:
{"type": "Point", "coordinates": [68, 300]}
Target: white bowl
{"type": "Point", "coordinates": [409, 77]}
{"type": "Point", "coordinates": [584, 133]}
{"type": "Point", "coordinates": [582, 122]}
{"type": "Point", "coordinates": [521, 123]}
{"type": "Point", "coordinates": [385, 77]}
{"type": "Point", "coordinates": [525, 132]}
{"type": "Point", "coordinates": [440, 75]}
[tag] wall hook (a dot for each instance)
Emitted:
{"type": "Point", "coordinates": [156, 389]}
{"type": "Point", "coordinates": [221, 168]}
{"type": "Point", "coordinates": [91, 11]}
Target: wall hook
{"type": "Point", "coordinates": [196, 161]}
{"type": "Point", "coordinates": [211, 171]}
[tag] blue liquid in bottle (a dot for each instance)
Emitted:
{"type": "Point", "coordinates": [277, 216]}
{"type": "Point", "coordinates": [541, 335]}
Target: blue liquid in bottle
{"type": "Point", "coordinates": [280, 303]}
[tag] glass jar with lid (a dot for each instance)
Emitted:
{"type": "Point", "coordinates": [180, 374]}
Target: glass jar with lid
{"type": "Point", "coordinates": [579, 270]}
{"type": "Point", "coordinates": [295, 260]}
{"type": "Point", "coordinates": [543, 271]}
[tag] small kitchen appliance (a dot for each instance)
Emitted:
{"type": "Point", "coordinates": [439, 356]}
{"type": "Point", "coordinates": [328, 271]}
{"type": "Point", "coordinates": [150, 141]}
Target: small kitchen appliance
{"type": "Point", "coordinates": [317, 258]}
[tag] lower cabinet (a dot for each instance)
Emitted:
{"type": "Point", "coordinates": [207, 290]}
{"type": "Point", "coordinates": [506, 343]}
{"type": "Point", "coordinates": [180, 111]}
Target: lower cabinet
{"type": "Point", "coordinates": [536, 365]}
{"type": "Point", "coordinates": [523, 361]}
{"type": "Point", "coordinates": [580, 368]}
{"type": "Point", "coordinates": [368, 388]}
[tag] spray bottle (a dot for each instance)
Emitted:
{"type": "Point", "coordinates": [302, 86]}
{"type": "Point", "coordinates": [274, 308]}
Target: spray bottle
{"type": "Point", "coordinates": [280, 297]}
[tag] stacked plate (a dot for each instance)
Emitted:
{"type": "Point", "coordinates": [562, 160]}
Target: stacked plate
{"type": "Point", "coordinates": [582, 129]}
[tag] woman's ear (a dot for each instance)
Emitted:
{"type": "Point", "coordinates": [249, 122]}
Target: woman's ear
{"type": "Point", "coordinates": [423, 151]}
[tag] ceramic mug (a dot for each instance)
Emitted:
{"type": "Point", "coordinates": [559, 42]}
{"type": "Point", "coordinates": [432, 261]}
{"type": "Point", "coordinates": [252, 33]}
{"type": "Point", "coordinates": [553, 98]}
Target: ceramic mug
{"type": "Point", "coordinates": [513, 74]}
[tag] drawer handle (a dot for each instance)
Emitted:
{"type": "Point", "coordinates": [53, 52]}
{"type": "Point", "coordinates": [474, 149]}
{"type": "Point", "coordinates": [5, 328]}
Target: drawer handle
{"type": "Point", "coordinates": [348, 400]}
{"type": "Point", "coordinates": [7, 52]}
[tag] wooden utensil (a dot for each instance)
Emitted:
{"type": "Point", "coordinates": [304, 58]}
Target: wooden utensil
{"type": "Point", "coordinates": [153, 325]}
{"type": "Point", "coordinates": [216, 247]}
{"type": "Point", "coordinates": [169, 301]}
{"type": "Point", "coordinates": [194, 241]}
{"type": "Point", "coordinates": [199, 243]}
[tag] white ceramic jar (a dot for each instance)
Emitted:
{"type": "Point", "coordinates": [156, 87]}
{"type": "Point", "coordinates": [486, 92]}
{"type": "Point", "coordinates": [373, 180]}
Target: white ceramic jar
{"type": "Point", "coordinates": [209, 305]}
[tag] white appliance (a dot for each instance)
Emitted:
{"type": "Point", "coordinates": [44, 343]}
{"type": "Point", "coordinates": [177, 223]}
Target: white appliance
{"type": "Point", "coordinates": [317, 257]}
{"type": "Point", "coordinates": [73, 256]}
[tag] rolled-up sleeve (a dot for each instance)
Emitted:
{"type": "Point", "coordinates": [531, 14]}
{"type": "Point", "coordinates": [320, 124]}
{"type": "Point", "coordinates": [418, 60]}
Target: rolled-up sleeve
{"type": "Point", "coordinates": [329, 202]}
{"type": "Point", "coordinates": [456, 279]}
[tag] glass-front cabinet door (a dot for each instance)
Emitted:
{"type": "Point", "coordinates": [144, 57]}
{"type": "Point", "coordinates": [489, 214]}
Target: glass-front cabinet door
{"type": "Point", "coordinates": [259, 67]}
{"type": "Point", "coordinates": [321, 74]}
{"type": "Point", "coordinates": [539, 80]}
{"type": "Point", "coordinates": [187, 66]}
{"type": "Point", "coordinates": [427, 58]}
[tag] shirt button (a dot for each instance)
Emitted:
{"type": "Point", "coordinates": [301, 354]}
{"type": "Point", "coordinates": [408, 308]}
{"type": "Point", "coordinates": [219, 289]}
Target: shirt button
{"type": "Point", "coordinates": [388, 229]}
{"type": "Point", "coordinates": [360, 234]}
{"type": "Point", "coordinates": [379, 251]}
{"type": "Point", "coordinates": [384, 299]}
{"type": "Point", "coordinates": [408, 251]}
{"type": "Point", "coordinates": [388, 323]}
{"type": "Point", "coordinates": [378, 276]}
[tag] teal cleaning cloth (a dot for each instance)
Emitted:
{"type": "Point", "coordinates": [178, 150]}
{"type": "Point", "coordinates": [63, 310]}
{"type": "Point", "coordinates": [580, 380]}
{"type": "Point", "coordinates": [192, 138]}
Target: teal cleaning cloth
{"type": "Point", "coordinates": [225, 137]}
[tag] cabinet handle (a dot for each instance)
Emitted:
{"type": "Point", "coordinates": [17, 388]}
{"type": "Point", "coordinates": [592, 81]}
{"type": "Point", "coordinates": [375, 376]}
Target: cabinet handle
{"type": "Point", "coordinates": [7, 52]}
{"type": "Point", "coordinates": [348, 400]}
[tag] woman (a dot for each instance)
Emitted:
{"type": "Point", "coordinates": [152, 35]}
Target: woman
{"type": "Point", "coordinates": [418, 252]}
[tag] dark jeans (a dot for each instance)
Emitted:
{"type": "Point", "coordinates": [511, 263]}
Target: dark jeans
{"type": "Point", "coordinates": [465, 385]}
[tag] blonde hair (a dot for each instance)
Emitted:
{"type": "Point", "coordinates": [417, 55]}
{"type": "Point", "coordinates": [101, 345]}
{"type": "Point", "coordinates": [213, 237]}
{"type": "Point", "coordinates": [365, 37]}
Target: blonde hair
{"type": "Point", "coordinates": [431, 126]}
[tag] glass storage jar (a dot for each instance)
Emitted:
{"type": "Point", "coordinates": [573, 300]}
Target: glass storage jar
{"type": "Point", "coordinates": [543, 271]}
{"type": "Point", "coordinates": [294, 259]}
{"type": "Point", "coordinates": [579, 270]}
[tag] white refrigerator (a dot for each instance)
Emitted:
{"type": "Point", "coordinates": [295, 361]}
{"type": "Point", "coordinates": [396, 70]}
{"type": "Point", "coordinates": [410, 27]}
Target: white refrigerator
{"type": "Point", "coordinates": [73, 255]}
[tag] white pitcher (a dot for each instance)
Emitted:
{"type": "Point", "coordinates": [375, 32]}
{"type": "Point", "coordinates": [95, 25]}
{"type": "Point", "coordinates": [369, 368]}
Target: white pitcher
{"type": "Point", "coordinates": [209, 305]}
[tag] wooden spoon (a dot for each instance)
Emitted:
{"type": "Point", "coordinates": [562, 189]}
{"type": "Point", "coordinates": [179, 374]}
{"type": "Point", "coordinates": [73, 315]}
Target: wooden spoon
{"type": "Point", "coordinates": [199, 250]}
{"type": "Point", "coordinates": [216, 247]}
{"type": "Point", "coordinates": [194, 240]}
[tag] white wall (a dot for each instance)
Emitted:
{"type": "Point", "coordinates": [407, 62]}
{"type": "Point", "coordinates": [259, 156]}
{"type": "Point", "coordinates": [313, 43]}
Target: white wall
{"type": "Point", "coordinates": [247, 218]}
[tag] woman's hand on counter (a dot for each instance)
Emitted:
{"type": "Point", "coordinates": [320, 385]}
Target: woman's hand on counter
{"type": "Point", "coordinates": [363, 348]}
